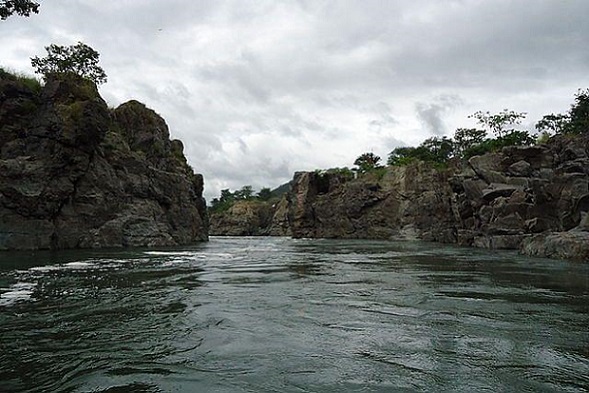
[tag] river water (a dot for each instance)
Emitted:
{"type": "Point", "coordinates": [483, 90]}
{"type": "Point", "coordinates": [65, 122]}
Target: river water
{"type": "Point", "coordinates": [284, 315]}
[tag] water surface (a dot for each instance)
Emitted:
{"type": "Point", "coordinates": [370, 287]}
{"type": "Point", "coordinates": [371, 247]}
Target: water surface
{"type": "Point", "coordinates": [284, 315]}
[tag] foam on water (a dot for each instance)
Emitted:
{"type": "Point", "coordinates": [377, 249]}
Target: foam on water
{"type": "Point", "coordinates": [266, 314]}
{"type": "Point", "coordinates": [20, 291]}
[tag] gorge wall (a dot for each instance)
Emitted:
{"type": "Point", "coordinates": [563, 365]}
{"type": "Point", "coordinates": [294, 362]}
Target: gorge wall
{"type": "Point", "coordinates": [76, 174]}
{"type": "Point", "coordinates": [535, 199]}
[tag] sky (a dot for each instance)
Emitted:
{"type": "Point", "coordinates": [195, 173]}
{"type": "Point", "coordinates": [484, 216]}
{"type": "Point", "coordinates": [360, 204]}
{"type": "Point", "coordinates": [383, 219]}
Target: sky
{"type": "Point", "coordinates": [257, 90]}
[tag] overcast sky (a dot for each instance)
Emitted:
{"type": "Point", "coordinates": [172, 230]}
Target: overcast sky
{"type": "Point", "coordinates": [259, 89]}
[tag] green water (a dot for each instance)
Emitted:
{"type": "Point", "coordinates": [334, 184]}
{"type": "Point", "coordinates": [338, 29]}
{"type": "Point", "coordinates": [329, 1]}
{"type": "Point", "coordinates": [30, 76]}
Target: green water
{"type": "Point", "coordinates": [283, 315]}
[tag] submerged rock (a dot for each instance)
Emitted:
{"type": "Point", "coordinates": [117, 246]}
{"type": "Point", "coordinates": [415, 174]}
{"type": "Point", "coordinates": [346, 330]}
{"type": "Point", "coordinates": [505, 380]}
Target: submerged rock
{"type": "Point", "coordinates": [74, 174]}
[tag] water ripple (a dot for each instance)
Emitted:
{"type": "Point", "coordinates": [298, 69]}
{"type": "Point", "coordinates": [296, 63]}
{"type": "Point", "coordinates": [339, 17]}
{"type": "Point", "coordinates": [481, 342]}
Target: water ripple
{"type": "Point", "coordinates": [261, 314]}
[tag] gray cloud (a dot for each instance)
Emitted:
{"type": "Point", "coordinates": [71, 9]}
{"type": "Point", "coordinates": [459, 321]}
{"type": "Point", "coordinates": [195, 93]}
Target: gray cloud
{"type": "Point", "coordinates": [432, 114]}
{"type": "Point", "coordinates": [257, 90]}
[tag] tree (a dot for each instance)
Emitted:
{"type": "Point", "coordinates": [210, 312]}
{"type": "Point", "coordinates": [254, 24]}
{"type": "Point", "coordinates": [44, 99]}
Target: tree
{"type": "Point", "coordinates": [79, 59]}
{"type": "Point", "coordinates": [553, 123]}
{"type": "Point", "coordinates": [19, 7]}
{"type": "Point", "coordinates": [226, 195]}
{"type": "Point", "coordinates": [466, 138]}
{"type": "Point", "coordinates": [498, 123]}
{"type": "Point", "coordinates": [440, 149]}
{"type": "Point", "coordinates": [435, 149]}
{"type": "Point", "coordinates": [579, 114]}
{"type": "Point", "coordinates": [401, 156]}
{"type": "Point", "coordinates": [367, 162]}
{"type": "Point", "coordinates": [245, 192]}
{"type": "Point", "coordinates": [265, 194]}
{"type": "Point", "coordinates": [576, 121]}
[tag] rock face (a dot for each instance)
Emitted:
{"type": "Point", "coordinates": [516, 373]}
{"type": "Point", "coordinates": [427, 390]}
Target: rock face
{"type": "Point", "coordinates": [504, 199]}
{"type": "Point", "coordinates": [535, 199]}
{"type": "Point", "coordinates": [244, 218]}
{"type": "Point", "coordinates": [406, 202]}
{"type": "Point", "coordinates": [74, 174]}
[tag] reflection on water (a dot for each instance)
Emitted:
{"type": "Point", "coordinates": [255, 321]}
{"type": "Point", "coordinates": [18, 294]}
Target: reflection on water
{"type": "Point", "coordinates": [277, 314]}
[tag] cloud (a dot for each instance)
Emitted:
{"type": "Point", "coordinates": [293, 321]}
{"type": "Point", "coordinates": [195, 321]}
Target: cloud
{"type": "Point", "coordinates": [257, 90]}
{"type": "Point", "coordinates": [431, 114]}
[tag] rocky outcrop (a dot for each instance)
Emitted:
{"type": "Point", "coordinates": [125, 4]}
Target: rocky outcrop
{"type": "Point", "coordinates": [403, 202]}
{"type": "Point", "coordinates": [243, 218]}
{"type": "Point", "coordinates": [535, 199]}
{"type": "Point", "coordinates": [74, 174]}
{"type": "Point", "coordinates": [532, 198]}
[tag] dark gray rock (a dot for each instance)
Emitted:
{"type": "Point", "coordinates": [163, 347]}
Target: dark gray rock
{"type": "Point", "coordinates": [75, 175]}
{"type": "Point", "coordinates": [497, 200]}
{"type": "Point", "coordinates": [562, 245]}
{"type": "Point", "coordinates": [520, 168]}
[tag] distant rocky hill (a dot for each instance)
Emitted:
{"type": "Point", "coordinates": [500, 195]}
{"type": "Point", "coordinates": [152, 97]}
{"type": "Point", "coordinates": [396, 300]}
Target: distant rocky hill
{"type": "Point", "coordinates": [76, 174]}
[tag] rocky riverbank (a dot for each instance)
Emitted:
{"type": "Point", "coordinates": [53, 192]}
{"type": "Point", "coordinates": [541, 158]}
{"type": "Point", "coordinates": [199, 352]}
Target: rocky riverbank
{"type": "Point", "coordinates": [535, 199]}
{"type": "Point", "coordinates": [76, 174]}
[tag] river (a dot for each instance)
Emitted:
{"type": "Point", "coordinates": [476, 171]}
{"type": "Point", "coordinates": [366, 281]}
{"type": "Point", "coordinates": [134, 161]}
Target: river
{"type": "Point", "coordinates": [285, 315]}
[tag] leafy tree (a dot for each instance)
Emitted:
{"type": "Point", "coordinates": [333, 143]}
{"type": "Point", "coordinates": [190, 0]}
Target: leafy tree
{"type": "Point", "coordinates": [404, 155]}
{"type": "Point", "coordinates": [435, 149]}
{"type": "Point", "coordinates": [19, 7]}
{"type": "Point", "coordinates": [513, 138]}
{"type": "Point", "coordinates": [576, 121]}
{"type": "Point", "coordinates": [498, 123]}
{"type": "Point", "coordinates": [246, 192]}
{"type": "Point", "coordinates": [579, 114]}
{"type": "Point", "coordinates": [367, 162]}
{"type": "Point", "coordinates": [466, 138]}
{"type": "Point", "coordinates": [226, 196]}
{"type": "Point", "coordinates": [265, 194]}
{"type": "Point", "coordinates": [440, 149]}
{"type": "Point", "coordinates": [553, 123]}
{"type": "Point", "coordinates": [79, 59]}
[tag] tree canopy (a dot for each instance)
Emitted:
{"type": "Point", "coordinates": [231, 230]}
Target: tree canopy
{"type": "Point", "coordinates": [575, 121]}
{"type": "Point", "coordinates": [367, 162]}
{"type": "Point", "coordinates": [245, 193]}
{"type": "Point", "coordinates": [499, 123]}
{"type": "Point", "coordinates": [79, 59]}
{"type": "Point", "coordinates": [19, 7]}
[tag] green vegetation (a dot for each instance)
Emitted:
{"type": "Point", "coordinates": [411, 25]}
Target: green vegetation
{"type": "Point", "coordinates": [576, 121]}
{"type": "Point", "coordinates": [245, 193]}
{"type": "Point", "coordinates": [469, 142]}
{"type": "Point", "coordinates": [498, 123]}
{"type": "Point", "coordinates": [19, 7]}
{"type": "Point", "coordinates": [265, 194]}
{"type": "Point", "coordinates": [436, 150]}
{"type": "Point", "coordinates": [367, 162]}
{"type": "Point", "coordinates": [345, 172]}
{"type": "Point", "coordinates": [79, 59]}
{"type": "Point", "coordinates": [29, 81]}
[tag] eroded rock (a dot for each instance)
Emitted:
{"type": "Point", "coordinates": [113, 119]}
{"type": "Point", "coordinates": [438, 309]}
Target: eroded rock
{"type": "Point", "coordinates": [73, 174]}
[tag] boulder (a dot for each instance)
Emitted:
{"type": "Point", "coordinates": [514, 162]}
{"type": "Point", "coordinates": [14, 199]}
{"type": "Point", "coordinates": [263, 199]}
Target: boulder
{"type": "Point", "coordinates": [562, 245]}
{"type": "Point", "coordinates": [496, 190]}
{"type": "Point", "coordinates": [520, 168]}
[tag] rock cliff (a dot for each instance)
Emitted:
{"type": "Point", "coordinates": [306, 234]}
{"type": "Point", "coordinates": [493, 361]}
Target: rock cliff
{"type": "Point", "coordinates": [404, 202]}
{"type": "Point", "coordinates": [75, 174]}
{"type": "Point", "coordinates": [535, 199]}
{"type": "Point", "coordinates": [243, 218]}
